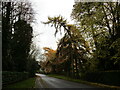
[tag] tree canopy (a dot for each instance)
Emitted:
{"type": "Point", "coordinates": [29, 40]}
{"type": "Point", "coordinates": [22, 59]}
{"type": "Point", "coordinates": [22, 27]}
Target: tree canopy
{"type": "Point", "coordinates": [17, 34]}
{"type": "Point", "coordinates": [99, 22]}
{"type": "Point", "coordinates": [92, 43]}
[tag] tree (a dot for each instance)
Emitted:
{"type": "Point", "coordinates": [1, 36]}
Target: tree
{"type": "Point", "coordinates": [49, 53]}
{"type": "Point", "coordinates": [71, 48]}
{"type": "Point", "coordinates": [6, 33]}
{"type": "Point", "coordinates": [32, 60]}
{"type": "Point", "coordinates": [97, 19]}
{"type": "Point", "coordinates": [21, 44]}
{"type": "Point", "coordinates": [17, 34]}
{"type": "Point", "coordinates": [100, 23]}
{"type": "Point", "coordinates": [49, 63]}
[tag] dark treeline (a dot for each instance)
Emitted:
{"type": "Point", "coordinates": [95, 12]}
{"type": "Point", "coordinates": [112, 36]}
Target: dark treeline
{"type": "Point", "coordinates": [17, 37]}
{"type": "Point", "coordinates": [91, 44]}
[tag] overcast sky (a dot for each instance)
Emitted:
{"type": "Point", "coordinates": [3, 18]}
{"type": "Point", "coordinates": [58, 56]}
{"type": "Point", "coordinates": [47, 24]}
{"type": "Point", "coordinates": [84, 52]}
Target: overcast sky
{"type": "Point", "coordinates": [43, 9]}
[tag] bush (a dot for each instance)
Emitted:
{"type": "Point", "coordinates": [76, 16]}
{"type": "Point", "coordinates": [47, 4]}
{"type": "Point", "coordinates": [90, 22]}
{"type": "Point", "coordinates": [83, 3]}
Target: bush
{"type": "Point", "coordinates": [12, 77]}
{"type": "Point", "coordinates": [105, 77]}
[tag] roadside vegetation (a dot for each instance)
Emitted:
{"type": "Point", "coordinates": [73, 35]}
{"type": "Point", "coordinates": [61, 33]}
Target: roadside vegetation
{"type": "Point", "coordinates": [90, 48]}
{"type": "Point", "coordinates": [28, 83]}
{"type": "Point", "coordinates": [18, 52]}
{"type": "Point", "coordinates": [99, 85]}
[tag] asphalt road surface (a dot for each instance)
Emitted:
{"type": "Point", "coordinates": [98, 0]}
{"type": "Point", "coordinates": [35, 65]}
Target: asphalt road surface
{"type": "Point", "coordinates": [43, 81]}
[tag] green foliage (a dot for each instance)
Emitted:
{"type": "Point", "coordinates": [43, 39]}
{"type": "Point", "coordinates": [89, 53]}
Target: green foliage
{"type": "Point", "coordinates": [28, 83]}
{"type": "Point", "coordinates": [93, 43]}
{"type": "Point", "coordinates": [115, 47]}
{"type": "Point", "coordinates": [72, 48]}
{"type": "Point", "coordinates": [94, 84]}
{"type": "Point", "coordinates": [17, 35]}
{"type": "Point", "coordinates": [107, 55]}
{"type": "Point", "coordinates": [98, 17]}
{"type": "Point", "coordinates": [32, 67]}
{"type": "Point", "coordinates": [105, 77]}
{"type": "Point", "coordinates": [99, 22]}
{"type": "Point", "coordinates": [21, 44]}
{"type": "Point", "coordinates": [12, 77]}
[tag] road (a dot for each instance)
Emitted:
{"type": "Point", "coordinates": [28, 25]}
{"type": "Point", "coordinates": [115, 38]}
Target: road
{"type": "Point", "coordinates": [43, 81]}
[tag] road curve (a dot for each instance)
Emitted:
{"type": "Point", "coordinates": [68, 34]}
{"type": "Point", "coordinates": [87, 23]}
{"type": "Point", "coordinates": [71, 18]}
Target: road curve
{"type": "Point", "coordinates": [43, 81]}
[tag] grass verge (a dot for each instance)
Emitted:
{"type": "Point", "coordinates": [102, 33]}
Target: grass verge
{"type": "Point", "coordinates": [83, 82]}
{"type": "Point", "coordinates": [29, 83]}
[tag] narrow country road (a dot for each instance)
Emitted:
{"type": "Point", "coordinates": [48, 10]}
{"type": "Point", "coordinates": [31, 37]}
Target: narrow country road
{"type": "Point", "coordinates": [43, 81]}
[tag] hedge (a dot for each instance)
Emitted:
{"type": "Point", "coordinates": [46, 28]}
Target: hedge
{"type": "Point", "coordinates": [105, 77]}
{"type": "Point", "coordinates": [12, 77]}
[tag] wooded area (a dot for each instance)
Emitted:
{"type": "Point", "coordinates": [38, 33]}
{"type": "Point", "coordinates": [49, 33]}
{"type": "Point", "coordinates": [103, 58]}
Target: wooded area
{"type": "Point", "coordinates": [91, 44]}
{"type": "Point", "coordinates": [17, 36]}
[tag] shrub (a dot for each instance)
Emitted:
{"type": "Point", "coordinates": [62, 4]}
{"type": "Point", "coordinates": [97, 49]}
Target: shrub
{"type": "Point", "coordinates": [105, 77]}
{"type": "Point", "coordinates": [12, 77]}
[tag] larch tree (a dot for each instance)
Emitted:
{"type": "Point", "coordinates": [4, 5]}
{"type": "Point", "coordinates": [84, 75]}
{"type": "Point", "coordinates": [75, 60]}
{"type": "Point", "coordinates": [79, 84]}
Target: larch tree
{"type": "Point", "coordinates": [72, 47]}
